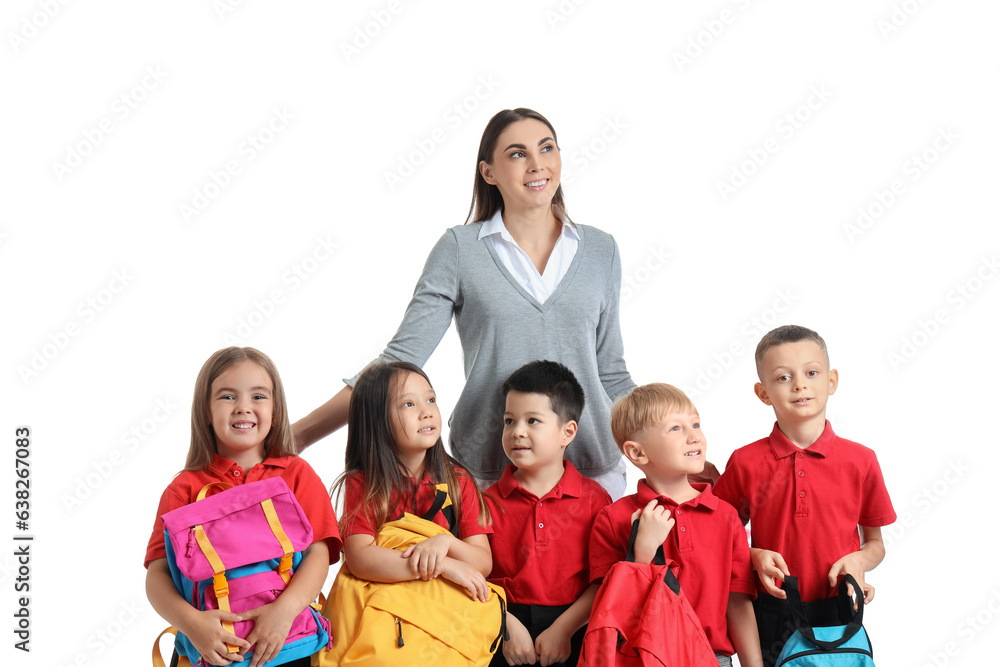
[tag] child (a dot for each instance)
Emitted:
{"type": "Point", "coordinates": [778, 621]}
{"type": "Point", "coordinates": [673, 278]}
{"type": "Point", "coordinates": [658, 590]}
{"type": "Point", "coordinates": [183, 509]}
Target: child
{"type": "Point", "coordinates": [658, 428]}
{"type": "Point", "coordinates": [395, 458]}
{"type": "Point", "coordinates": [240, 433]}
{"type": "Point", "coordinates": [804, 490]}
{"type": "Point", "coordinates": [542, 519]}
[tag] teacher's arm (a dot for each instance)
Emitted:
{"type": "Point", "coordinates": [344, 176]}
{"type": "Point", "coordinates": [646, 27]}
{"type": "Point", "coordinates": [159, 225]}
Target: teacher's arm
{"type": "Point", "coordinates": [424, 324]}
{"type": "Point", "coordinates": [614, 375]}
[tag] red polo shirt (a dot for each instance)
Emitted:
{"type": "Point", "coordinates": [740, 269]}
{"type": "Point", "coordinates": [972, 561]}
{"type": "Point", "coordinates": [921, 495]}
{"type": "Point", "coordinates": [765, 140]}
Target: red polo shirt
{"type": "Point", "coordinates": [707, 542]}
{"type": "Point", "coordinates": [541, 545]}
{"type": "Point", "coordinates": [418, 501]}
{"type": "Point", "coordinates": [303, 481]}
{"type": "Point", "coordinates": [807, 504]}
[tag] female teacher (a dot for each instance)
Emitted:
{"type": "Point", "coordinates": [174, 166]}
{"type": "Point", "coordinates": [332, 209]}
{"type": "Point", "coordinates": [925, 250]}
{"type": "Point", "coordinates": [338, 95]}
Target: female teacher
{"type": "Point", "coordinates": [523, 282]}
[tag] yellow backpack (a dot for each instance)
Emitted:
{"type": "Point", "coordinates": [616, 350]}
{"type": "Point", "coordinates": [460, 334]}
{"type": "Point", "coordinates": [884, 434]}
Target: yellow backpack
{"type": "Point", "coordinates": [416, 622]}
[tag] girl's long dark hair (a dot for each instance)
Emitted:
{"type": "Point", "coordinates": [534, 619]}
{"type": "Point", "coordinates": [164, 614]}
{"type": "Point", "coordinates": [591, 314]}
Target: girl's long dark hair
{"type": "Point", "coordinates": [371, 450]}
{"type": "Point", "coordinates": [486, 198]}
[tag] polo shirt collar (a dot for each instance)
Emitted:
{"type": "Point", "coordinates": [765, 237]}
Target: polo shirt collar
{"type": "Point", "coordinates": [220, 465]}
{"type": "Point", "coordinates": [571, 483]}
{"type": "Point", "coordinates": [781, 446]}
{"type": "Point", "coordinates": [495, 226]}
{"type": "Point", "coordinates": [705, 497]}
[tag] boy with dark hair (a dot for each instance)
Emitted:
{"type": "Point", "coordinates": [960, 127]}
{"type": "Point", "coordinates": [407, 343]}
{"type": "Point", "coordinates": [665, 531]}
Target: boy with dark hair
{"type": "Point", "coordinates": [658, 429]}
{"type": "Point", "coordinates": [805, 491]}
{"type": "Point", "coordinates": [543, 509]}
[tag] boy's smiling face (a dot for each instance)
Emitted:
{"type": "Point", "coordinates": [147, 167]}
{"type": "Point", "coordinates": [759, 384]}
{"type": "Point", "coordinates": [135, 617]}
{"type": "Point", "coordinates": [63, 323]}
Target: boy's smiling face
{"type": "Point", "coordinates": [534, 436]}
{"type": "Point", "coordinates": [796, 380]}
{"type": "Point", "coordinates": [673, 447]}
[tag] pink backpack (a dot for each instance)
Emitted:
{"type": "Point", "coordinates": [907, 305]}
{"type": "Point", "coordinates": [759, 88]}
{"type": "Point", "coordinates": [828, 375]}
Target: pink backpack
{"type": "Point", "coordinates": [237, 550]}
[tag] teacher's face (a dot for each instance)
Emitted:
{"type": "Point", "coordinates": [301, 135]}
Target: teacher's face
{"type": "Point", "coordinates": [526, 165]}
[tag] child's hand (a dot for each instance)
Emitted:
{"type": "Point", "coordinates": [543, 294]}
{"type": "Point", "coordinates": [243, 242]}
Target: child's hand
{"type": "Point", "coordinates": [272, 623]}
{"type": "Point", "coordinates": [769, 565]}
{"type": "Point", "coordinates": [467, 577]}
{"type": "Point", "coordinates": [209, 637]}
{"type": "Point", "coordinates": [518, 650]}
{"type": "Point", "coordinates": [655, 523]}
{"type": "Point", "coordinates": [426, 558]}
{"type": "Point", "coordinates": [852, 564]}
{"type": "Point", "coordinates": [552, 646]}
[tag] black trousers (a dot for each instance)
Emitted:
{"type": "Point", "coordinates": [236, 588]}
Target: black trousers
{"type": "Point", "coordinates": [538, 619]}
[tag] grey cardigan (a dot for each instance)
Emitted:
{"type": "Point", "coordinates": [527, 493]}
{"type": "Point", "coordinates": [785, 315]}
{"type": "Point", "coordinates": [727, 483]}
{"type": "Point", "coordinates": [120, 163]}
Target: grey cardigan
{"type": "Point", "coordinates": [502, 327]}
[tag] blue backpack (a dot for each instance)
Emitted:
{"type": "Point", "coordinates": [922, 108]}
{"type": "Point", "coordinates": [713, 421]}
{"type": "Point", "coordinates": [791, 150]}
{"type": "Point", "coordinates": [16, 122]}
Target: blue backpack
{"type": "Point", "coordinates": [834, 646]}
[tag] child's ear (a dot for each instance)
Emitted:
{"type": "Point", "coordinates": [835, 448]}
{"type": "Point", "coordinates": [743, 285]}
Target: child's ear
{"type": "Point", "coordinates": [761, 393]}
{"type": "Point", "coordinates": [569, 432]}
{"type": "Point", "coordinates": [834, 380]}
{"type": "Point", "coordinates": [633, 452]}
{"type": "Point", "coordinates": [486, 171]}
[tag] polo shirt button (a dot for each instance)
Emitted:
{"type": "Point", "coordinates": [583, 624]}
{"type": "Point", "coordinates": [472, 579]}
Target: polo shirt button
{"type": "Point", "coordinates": [236, 473]}
{"type": "Point", "coordinates": [802, 473]}
{"type": "Point", "coordinates": [541, 525]}
{"type": "Point", "coordinates": [800, 455]}
{"type": "Point", "coordinates": [539, 504]}
{"type": "Point", "coordinates": [683, 529]}
{"type": "Point", "coordinates": [678, 510]}
{"type": "Point", "coordinates": [802, 494]}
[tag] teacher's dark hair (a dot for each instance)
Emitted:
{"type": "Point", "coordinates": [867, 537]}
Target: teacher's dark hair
{"type": "Point", "coordinates": [486, 198]}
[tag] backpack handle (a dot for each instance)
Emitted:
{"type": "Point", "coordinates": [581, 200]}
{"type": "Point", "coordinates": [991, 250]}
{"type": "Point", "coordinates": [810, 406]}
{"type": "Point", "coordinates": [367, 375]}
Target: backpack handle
{"type": "Point", "coordinates": [658, 559]}
{"type": "Point", "coordinates": [204, 490]}
{"type": "Point", "coordinates": [791, 588]}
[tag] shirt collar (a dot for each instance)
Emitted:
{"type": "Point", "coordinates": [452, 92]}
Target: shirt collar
{"type": "Point", "coordinates": [571, 483]}
{"type": "Point", "coordinates": [495, 226]}
{"type": "Point", "coordinates": [705, 497]}
{"type": "Point", "coordinates": [781, 446]}
{"type": "Point", "coordinates": [220, 465]}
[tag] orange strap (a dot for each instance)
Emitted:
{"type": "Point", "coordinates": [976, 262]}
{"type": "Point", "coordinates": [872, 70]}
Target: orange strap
{"type": "Point", "coordinates": [182, 661]}
{"type": "Point", "coordinates": [285, 566]}
{"type": "Point", "coordinates": [204, 489]}
{"type": "Point", "coordinates": [219, 582]}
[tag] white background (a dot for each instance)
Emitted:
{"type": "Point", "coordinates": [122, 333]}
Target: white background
{"type": "Point", "coordinates": [113, 297]}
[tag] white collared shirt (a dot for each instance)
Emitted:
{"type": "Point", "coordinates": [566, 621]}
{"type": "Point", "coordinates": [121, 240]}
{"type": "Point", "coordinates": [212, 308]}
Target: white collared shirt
{"type": "Point", "coordinates": [516, 260]}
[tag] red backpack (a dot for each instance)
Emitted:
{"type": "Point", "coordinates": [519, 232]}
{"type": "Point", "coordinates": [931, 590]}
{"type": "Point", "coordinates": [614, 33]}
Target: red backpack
{"type": "Point", "coordinates": [640, 617]}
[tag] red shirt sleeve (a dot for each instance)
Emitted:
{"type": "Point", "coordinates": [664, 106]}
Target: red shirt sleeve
{"type": "Point", "coordinates": [604, 548]}
{"type": "Point", "coordinates": [354, 494]}
{"type": "Point", "coordinates": [468, 525]}
{"type": "Point", "coordinates": [156, 548]}
{"type": "Point", "coordinates": [876, 509]}
{"type": "Point", "coordinates": [315, 502]}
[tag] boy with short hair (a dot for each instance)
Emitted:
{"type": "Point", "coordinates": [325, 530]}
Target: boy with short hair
{"type": "Point", "coordinates": [804, 490]}
{"type": "Point", "coordinates": [658, 428]}
{"type": "Point", "coordinates": [543, 509]}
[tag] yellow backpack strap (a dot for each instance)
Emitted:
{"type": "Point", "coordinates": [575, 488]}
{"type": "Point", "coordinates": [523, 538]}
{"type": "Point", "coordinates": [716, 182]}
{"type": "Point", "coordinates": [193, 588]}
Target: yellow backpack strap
{"type": "Point", "coordinates": [219, 582]}
{"type": "Point", "coordinates": [204, 489]}
{"type": "Point", "coordinates": [285, 566]}
{"type": "Point", "coordinates": [182, 660]}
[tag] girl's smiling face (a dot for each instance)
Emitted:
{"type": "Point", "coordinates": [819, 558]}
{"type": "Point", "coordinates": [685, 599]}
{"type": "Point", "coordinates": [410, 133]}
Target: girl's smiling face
{"type": "Point", "coordinates": [240, 406]}
{"type": "Point", "coordinates": [526, 165]}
